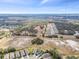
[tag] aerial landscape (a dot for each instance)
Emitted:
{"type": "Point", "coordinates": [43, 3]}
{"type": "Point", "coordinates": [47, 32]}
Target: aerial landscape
{"type": "Point", "coordinates": [39, 29]}
{"type": "Point", "coordinates": [41, 36]}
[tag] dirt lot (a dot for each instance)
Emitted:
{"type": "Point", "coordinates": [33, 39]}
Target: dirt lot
{"type": "Point", "coordinates": [49, 43]}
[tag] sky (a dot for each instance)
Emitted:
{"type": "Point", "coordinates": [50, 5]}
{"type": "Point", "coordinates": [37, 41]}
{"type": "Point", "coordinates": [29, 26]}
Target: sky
{"type": "Point", "coordinates": [39, 6]}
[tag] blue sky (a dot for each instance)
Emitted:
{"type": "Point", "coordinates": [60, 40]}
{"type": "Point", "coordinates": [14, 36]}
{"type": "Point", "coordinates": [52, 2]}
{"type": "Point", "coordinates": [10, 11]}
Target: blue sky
{"type": "Point", "coordinates": [39, 6]}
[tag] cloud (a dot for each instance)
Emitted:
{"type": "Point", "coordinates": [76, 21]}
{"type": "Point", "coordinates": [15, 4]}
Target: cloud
{"type": "Point", "coordinates": [44, 1]}
{"type": "Point", "coordinates": [50, 1]}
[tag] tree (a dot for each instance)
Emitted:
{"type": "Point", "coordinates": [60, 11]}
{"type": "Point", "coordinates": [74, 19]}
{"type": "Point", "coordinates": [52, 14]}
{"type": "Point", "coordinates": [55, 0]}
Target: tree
{"type": "Point", "coordinates": [9, 50]}
{"type": "Point", "coordinates": [37, 41]}
{"type": "Point", "coordinates": [61, 37]}
{"type": "Point", "coordinates": [1, 54]}
{"type": "Point", "coordinates": [54, 54]}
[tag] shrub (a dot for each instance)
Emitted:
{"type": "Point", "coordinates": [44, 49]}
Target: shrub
{"type": "Point", "coordinates": [61, 37]}
{"type": "Point", "coordinates": [71, 57]}
{"type": "Point", "coordinates": [33, 35]}
{"type": "Point", "coordinates": [77, 37]}
{"type": "Point", "coordinates": [55, 36]}
{"type": "Point", "coordinates": [52, 36]}
{"type": "Point", "coordinates": [1, 51]}
{"type": "Point", "coordinates": [1, 54]}
{"type": "Point", "coordinates": [37, 41]}
{"type": "Point", "coordinates": [49, 36]}
{"type": "Point", "coordinates": [9, 50]}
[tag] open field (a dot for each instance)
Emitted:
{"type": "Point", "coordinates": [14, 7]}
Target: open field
{"type": "Point", "coordinates": [63, 46]}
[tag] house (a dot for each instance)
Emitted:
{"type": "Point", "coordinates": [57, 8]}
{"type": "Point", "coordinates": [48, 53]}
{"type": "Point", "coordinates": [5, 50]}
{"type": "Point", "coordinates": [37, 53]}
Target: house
{"type": "Point", "coordinates": [22, 53]}
{"type": "Point", "coordinates": [12, 55]}
{"type": "Point", "coordinates": [17, 54]}
{"type": "Point", "coordinates": [46, 56]}
{"type": "Point", "coordinates": [6, 56]}
{"type": "Point", "coordinates": [26, 52]}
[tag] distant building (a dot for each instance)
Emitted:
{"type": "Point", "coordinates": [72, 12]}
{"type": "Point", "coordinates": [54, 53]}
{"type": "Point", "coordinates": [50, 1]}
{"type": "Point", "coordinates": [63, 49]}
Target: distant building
{"type": "Point", "coordinates": [76, 34]}
{"type": "Point", "coordinates": [65, 31]}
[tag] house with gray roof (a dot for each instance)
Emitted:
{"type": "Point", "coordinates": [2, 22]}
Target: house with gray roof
{"type": "Point", "coordinates": [17, 54]}
{"type": "Point", "coordinates": [22, 53]}
{"type": "Point", "coordinates": [12, 55]}
{"type": "Point", "coordinates": [6, 56]}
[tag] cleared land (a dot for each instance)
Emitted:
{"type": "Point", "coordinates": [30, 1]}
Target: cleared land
{"type": "Point", "coordinates": [65, 47]}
